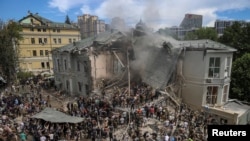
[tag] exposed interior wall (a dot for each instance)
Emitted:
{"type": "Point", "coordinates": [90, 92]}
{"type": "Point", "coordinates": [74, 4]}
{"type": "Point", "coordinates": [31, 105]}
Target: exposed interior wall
{"type": "Point", "coordinates": [193, 72]}
{"type": "Point", "coordinates": [102, 66]}
{"type": "Point", "coordinates": [192, 95]}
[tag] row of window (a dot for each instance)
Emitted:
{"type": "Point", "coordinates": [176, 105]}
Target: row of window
{"type": "Point", "coordinates": [42, 53]}
{"type": "Point", "coordinates": [44, 30]}
{"type": "Point", "coordinates": [55, 40]}
{"type": "Point", "coordinates": [65, 66]}
{"type": "Point", "coordinates": [79, 86]}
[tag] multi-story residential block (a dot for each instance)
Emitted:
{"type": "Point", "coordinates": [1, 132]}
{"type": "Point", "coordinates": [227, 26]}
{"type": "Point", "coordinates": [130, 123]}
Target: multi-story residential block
{"type": "Point", "coordinates": [90, 25]}
{"type": "Point", "coordinates": [191, 21]}
{"type": "Point", "coordinates": [40, 36]}
{"type": "Point", "coordinates": [220, 25]}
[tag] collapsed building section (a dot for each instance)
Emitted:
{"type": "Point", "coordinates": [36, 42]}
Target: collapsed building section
{"type": "Point", "coordinates": [194, 72]}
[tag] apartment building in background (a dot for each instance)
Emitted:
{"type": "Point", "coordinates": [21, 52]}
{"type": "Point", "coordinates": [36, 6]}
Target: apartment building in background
{"type": "Point", "coordinates": [90, 25]}
{"type": "Point", "coordinates": [40, 36]}
{"type": "Point", "coordinates": [221, 25]}
{"type": "Point", "coordinates": [190, 23]}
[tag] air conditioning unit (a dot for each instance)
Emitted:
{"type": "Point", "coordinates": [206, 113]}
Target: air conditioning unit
{"type": "Point", "coordinates": [208, 80]}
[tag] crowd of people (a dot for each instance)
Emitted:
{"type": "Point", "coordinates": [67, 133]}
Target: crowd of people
{"type": "Point", "coordinates": [114, 115]}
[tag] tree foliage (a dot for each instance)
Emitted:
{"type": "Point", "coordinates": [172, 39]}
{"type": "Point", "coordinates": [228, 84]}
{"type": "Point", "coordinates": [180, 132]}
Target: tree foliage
{"type": "Point", "coordinates": [9, 37]}
{"type": "Point", "coordinates": [202, 33]}
{"type": "Point", "coordinates": [241, 78]}
{"type": "Point", "coordinates": [67, 20]}
{"type": "Point", "coordinates": [237, 36]}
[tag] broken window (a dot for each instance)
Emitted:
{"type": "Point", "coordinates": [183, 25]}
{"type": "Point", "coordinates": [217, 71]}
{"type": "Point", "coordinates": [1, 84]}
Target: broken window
{"type": "Point", "coordinates": [40, 40]}
{"type": "Point", "coordinates": [46, 53]}
{"type": "Point", "coordinates": [45, 41]}
{"type": "Point", "coordinates": [85, 66]}
{"type": "Point", "coordinates": [87, 89]}
{"type": "Point", "coordinates": [79, 86]}
{"type": "Point", "coordinates": [34, 53]}
{"type": "Point", "coordinates": [42, 65]}
{"type": "Point", "coordinates": [47, 64]}
{"type": "Point", "coordinates": [67, 84]}
{"type": "Point", "coordinates": [225, 92]}
{"type": "Point", "coordinates": [214, 67]}
{"type": "Point", "coordinates": [59, 40]}
{"type": "Point", "coordinates": [41, 52]}
{"type": "Point", "coordinates": [228, 64]}
{"type": "Point", "coordinates": [58, 65]}
{"type": "Point", "coordinates": [78, 66]}
{"type": "Point", "coordinates": [65, 64]}
{"type": "Point", "coordinates": [212, 93]}
{"type": "Point", "coordinates": [54, 39]}
{"type": "Point", "coordinates": [33, 41]}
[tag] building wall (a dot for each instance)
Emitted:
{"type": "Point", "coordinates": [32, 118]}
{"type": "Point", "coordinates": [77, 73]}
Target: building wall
{"type": "Point", "coordinates": [198, 83]}
{"type": "Point", "coordinates": [39, 40]}
{"type": "Point", "coordinates": [193, 71]}
{"type": "Point", "coordinates": [84, 69]}
{"type": "Point", "coordinates": [103, 66]}
{"type": "Point", "coordinates": [74, 68]}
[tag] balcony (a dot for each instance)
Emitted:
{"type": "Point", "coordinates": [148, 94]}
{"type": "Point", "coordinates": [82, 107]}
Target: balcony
{"type": "Point", "coordinates": [216, 80]}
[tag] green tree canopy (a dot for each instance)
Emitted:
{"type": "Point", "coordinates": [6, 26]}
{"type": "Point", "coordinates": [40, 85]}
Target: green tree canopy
{"type": "Point", "coordinates": [240, 84]}
{"type": "Point", "coordinates": [238, 37]}
{"type": "Point", "coordinates": [9, 37]}
{"type": "Point", "coordinates": [202, 33]}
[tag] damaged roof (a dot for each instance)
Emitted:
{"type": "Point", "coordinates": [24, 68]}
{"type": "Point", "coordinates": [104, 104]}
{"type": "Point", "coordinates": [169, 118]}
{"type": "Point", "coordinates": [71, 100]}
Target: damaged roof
{"type": "Point", "coordinates": [205, 44]}
{"type": "Point", "coordinates": [154, 62]}
{"type": "Point", "coordinates": [102, 38]}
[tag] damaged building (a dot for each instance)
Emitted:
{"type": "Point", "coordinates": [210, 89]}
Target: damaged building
{"type": "Point", "coordinates": [195, 72]}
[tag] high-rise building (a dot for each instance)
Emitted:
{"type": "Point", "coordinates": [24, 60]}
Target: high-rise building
{"type": "Point", "coordinates": [220, 25]}
{"type": "Point", "coordinates": [191, 21]}
{"type": "Point", "coordinates": [40, 36]}
{"type": "Point", "coordinates": [90, 25]}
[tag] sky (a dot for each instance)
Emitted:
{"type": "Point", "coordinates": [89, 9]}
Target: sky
{"type": "Point", "coordinates": [155, 13]}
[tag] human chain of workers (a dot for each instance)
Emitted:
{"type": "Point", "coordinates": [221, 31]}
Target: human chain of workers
{"type": "Point", "coordinates": [102, 119]}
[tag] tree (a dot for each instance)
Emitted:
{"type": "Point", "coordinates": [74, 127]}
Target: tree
{"type": "Point", "coordinates": [202, 33]}
{"type": "Point", "coordinates": [67, 20]}
{"type": "Point", "coordinates": [9, 37]}
{"type": "Point", "coordinates": [241, 78]}
{"type": "Point", "coordinates": [237, 36]}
